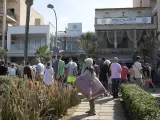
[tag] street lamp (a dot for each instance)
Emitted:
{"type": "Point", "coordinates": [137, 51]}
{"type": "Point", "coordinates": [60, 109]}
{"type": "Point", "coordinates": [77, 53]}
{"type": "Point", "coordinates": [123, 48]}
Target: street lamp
{"type": "Point", "coordinates": [52, 7]}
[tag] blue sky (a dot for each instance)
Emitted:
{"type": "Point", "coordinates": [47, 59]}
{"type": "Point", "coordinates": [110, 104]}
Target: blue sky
{"type": "Point", "coordinates": [69, 11]}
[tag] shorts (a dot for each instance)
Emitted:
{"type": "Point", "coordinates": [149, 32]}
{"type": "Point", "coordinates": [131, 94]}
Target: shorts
{"type": "Point", "coordinates": [71, 79]}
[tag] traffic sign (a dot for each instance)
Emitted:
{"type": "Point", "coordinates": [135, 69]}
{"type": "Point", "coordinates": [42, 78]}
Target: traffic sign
{"type": "Point", "coordinates": [56, 50]}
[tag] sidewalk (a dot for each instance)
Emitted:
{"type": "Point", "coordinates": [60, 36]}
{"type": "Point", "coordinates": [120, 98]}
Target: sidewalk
{"type": "Point", "coordinates": [106, 109]}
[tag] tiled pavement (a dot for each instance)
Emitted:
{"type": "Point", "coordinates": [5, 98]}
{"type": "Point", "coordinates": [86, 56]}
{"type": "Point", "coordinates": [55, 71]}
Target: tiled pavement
{"type": "Point", "coordinates": [106, 109]}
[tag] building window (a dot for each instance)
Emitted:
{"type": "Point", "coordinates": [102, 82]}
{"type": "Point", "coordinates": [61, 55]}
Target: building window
{"type": "Point", "coordinates": [124, 43]}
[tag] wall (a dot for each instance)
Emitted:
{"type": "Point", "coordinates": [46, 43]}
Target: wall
{"type": "Point", "coordinates": [128, 12]}
{"type": "Point", "coordinates": [145, 3]}
{"type": "Point", "coordinates": [136, 3]}
{"type": "Point", "coordinates": [33, 14]}
{"type": "Point", "coordinates": [16, 6]}
{"type": "Point", "coordinates": [20, 12]}
{"type": "Point", "coordinates": [21, 30]}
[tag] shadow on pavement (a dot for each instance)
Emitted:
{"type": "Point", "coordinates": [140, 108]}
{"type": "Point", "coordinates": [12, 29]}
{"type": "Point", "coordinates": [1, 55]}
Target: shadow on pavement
{"type": "Point", "coordinates": [102, 101]}
{"type": "Point", "coordinates": [79, 117]}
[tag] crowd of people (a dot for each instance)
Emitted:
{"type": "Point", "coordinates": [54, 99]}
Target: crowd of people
{"type": "Point", "coordinates": [110, 73]}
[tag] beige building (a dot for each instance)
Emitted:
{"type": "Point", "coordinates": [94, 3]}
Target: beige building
{"type": "Point", "coordinates": [17, 8]}
{"type": "Point", "coordinates": [16, 16]}
{"type": "Point", "coordinates": [155, 6]}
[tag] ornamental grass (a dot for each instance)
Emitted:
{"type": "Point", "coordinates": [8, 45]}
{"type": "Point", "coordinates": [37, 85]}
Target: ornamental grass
{"type": "Point", "coordinates": [21, 99]}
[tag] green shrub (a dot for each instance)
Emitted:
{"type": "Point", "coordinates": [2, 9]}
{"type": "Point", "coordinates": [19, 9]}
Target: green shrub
{"type": "Point", "coordinates": [26, 100]}
{"type": "Point", "coordinates": [140, 104]}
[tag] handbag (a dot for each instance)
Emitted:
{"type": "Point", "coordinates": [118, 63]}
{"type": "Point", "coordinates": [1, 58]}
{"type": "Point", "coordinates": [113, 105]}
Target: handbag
{"type": "Point", "coordinates": [148, 81]}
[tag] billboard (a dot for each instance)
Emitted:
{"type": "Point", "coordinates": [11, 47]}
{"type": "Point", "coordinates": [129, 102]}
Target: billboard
{"type": "Point", "coordinates": [74, 29]}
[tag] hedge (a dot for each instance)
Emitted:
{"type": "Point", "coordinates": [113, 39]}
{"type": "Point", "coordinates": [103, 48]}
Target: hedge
{"type": "Point", "coordinates": [139, 104]}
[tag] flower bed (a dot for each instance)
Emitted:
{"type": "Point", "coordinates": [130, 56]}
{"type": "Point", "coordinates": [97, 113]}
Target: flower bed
{"type": "Point", "coordinates": [139, 104]}
{"type": "Point", "coordinates": [24, 100]}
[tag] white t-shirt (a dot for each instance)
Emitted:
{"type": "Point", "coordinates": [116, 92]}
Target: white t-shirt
{"type": "Point", "coordinates": [137, 67]}
{"type": "Point", "coordinates": [12, 71]}
{"type": "Point", "coordinates": [40, 69]}
{"type": "Point", "coordinates": [71, 67]}
{"type": "Point", "coordinates": [115, 70]}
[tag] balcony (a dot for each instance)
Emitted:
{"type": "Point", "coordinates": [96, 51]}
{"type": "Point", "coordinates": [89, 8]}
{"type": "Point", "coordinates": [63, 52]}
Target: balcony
{"type": "Point", "coordinates": [11, 17]}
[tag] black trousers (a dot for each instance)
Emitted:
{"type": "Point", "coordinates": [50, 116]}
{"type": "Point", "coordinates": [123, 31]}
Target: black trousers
{"type": "Point", "coordinates": [115, 86]}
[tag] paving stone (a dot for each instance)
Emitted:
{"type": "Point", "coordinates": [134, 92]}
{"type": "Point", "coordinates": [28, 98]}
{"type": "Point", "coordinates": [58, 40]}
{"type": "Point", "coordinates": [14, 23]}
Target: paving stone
{"type": "Point", "coordinates": [111, 114]}
{"type": "Point", "coordinates": [111, 118]}
{"type": "Point", "coordinates": [111, 111]}
{"type": "Point", "coordinates": [106, 109]}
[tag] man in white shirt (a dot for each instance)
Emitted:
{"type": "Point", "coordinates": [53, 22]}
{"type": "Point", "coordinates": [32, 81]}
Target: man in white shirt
{"type": "Point", "coordinates": [115, 77]}
{"type": "Point", "coordinates": [71, 70]}
{"type": "Point", "coordinates": [40, 71]}
{"type": "Point", "coordinates": [137, 67]}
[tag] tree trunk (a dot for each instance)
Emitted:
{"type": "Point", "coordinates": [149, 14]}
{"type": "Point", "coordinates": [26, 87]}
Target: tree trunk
{"type": "Point", "coordinates": [154, 53]}
{"type": "Point", "coordinates": [65, 43]}
{"type": "Point", "coordinates": [27, 33]}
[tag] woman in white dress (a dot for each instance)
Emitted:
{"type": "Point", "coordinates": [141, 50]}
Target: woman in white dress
{"type": "Point", "coordinates": [48, 75]}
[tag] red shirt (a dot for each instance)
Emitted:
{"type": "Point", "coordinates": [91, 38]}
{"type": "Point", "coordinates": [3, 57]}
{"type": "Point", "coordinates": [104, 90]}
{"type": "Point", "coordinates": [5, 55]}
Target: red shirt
{"type": "Point", "coordinates": [124, 72]}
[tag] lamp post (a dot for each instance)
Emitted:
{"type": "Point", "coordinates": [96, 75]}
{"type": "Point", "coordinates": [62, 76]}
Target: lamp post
{"type": "Point", "coordinates": [52, 7]}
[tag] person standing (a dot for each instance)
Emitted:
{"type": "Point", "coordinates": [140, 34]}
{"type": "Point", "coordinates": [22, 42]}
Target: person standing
{"type": "Point", "coordinates": [115, 76]}
{"type": "Point", "coordinates": [89, 75]}
{"type": "Point", "coordinates": [48, 75]}
{"type": "Point", "coordinates": [3, 68]}
{"type": "Point", "coordinates": [40, 71]}
{"type": "Point", "coordinates": [148, 77]}
{"type": "Point", "coordinates": [28, 71]}
{"type": "Point", "coordinates": [59, 68]}
{"type": "Point", "coordinates": [96, 67]}
{"type": "Point", "coordinates": [138, 71]}
{"type": "Point", "coordinates": [21, 69]}
{"type": "Point", "coordinates": [72, 71]}
{"type": "Point", "coordinates": [124, 73]}
{"type": "Point", "coordinates": [103, 74]}
{"type": "Point", "coordinates": [131, 72]}
{"type": "Point", "coordinates": [108, 63]}
{"type": "Point", "coordinates": [12, 70]}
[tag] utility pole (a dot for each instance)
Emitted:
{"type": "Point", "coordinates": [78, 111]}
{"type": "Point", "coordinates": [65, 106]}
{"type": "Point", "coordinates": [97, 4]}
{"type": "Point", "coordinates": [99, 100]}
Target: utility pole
{"type": "Point", "coordinates": [29, 3]}
{"type": "Point", "coordinates": [4, 23]}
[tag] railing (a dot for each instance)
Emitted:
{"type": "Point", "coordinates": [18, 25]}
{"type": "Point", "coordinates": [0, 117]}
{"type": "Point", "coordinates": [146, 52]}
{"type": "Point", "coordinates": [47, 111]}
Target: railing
{"type": "Point", "coordinates": [9, 13]}
{"type": "Point", "coordinates": [15, 47]}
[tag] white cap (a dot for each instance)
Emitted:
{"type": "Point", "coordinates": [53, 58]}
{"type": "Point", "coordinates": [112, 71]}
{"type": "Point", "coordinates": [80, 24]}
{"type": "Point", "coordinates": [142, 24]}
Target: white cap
{"type": "Point", "coordinates": [89, 62]}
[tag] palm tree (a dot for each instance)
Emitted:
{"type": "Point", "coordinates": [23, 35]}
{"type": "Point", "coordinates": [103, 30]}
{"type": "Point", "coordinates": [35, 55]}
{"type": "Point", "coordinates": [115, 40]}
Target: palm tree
{"type": "Point", "coordinates": [29, 3]}
{"type": "Point", "coordinates": [88, 42]}
{"type": "Point", "coordinates": [2, 53]}
{"type": "Point", "coordinates": [151, 45]}
{"type": "Point", "coordinates": [43, 53]}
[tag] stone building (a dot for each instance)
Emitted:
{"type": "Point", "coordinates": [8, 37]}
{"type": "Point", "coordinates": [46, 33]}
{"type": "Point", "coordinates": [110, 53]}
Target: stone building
{"type": "Point", "coordinates": [121, 30]}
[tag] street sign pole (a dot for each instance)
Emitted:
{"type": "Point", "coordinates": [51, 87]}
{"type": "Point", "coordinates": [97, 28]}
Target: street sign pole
{"type": "Point", "coordinates": [56, 51]}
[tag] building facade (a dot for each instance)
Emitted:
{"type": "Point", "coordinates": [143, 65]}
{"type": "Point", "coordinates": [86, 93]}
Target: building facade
{"type": "Point", "coordinates": [17, 8]}
{"type": "Point", "coordinates": [155, 8]}
{"type": "Point", "coordinates": [38, 35]}
{"type": "Point", "coordinates": [69, 41]}
{"type": "Point", "coordinates": [15, 12]}
{"type": "Point", "coordinates": [120, 30]}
